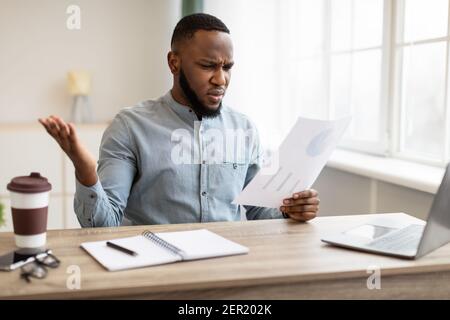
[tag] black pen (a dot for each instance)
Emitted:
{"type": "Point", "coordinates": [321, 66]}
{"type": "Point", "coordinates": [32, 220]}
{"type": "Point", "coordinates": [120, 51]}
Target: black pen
{"type": "Point", "coordinates": [125, 250]}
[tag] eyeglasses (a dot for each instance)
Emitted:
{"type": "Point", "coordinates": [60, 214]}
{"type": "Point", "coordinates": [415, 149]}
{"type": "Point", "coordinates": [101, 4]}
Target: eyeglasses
{"type": "Point", "coordinates": [37, 267]}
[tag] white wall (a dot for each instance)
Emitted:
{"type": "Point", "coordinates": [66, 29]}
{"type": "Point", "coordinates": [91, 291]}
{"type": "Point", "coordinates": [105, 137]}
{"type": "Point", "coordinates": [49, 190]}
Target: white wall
{"type": "Point", "coordinates": [346, 193]}
{"type": "Point", "coordinates": [40, 153]}
{"type": "Point", "coordinates": [122, 43]}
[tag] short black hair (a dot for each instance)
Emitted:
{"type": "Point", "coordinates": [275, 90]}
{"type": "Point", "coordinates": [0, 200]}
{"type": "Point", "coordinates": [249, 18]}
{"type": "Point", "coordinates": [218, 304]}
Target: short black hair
{"type": "Point", "coordinates": [187, 26]}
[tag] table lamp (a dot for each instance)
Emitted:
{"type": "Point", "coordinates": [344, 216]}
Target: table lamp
{"type": "Point", "coordinates": [79, 86]}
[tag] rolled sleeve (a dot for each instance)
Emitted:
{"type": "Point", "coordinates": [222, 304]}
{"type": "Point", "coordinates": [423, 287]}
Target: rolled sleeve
{"type": "Point", "coordinates": [257, 213]}
{"type": "Point", "coordinates": [84, 202]}
{"type": "Point", "coordinates": [89, 194]}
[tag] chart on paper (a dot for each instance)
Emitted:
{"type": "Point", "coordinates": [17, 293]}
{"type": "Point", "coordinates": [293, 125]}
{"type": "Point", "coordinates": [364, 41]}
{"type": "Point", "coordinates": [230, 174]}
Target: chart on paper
{"type": "Point", "coordinates": [282, 181]}
{"type": "Point", "coordinates": [299, 161]}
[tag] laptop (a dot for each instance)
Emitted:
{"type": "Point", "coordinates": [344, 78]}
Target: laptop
{"type": "Point", "coordinates": [405, 238]}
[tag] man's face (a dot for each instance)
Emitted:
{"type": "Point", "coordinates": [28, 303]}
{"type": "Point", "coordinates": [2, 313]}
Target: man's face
{"type": "Point", "coordinates": [205, 70]}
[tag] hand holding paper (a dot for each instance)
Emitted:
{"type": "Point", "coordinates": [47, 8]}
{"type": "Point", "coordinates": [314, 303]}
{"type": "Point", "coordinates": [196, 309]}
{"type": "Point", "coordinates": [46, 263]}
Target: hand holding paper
{"type": "Point", "coordinates": [302, 206]}
{"type": "Point", "coordinates": [301, 158]}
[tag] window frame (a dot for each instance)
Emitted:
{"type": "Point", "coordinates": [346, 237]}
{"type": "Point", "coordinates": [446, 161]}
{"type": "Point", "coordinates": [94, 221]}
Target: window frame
{"type": "Point", "coordinates": [391, 109]}
{"type": "Point", "coordinates": [381, 147]}
{"type": "Point", "coordinates": [397, 122]}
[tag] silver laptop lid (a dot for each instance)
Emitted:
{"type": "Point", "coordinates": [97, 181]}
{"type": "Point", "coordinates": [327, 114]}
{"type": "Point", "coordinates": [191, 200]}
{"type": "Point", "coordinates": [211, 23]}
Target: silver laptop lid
{"type": "Point", "coordinates": [437, 230]}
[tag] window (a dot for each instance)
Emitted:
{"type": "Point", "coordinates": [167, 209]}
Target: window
{"type": "Point", "coordinates": [421, 59]}
{"type": "Point", "coordinates": [385, 62]}
{"type": "Point", "coordinates": [336, 66]}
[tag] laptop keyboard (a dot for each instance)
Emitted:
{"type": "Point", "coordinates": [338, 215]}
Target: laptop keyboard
{"type": "Point", "coordinates": [406, 239]}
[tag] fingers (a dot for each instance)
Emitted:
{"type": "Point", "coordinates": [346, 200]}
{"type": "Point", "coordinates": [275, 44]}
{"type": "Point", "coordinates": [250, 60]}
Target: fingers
{"type": "Point", "coordinates": [72, 132]}
{"type": "Point", "coordinates": [64, 128]}
{"type": "Point", "coordinates": [58, 129]}
{"type": "Point", "coordinates": [300, 208]}
{"type": "Point", "coordinates": [307, 197]}
{"type": "Point", "coordinates": [45, 124]}
{"type": "Point", "coordinates": [53, 125]}
{"type": "Point", "coordinates": [50, 126]}
{"type": "Point", "coordinates": [65, 135]}
{"type": "Point", "coordinates": [312, 200]}
{"type": "Point", "coordinates": [302, 212]}
{"type": "Point", "coordinates": [302, 216]}
{"type": "Point", "coordinates": [305, 194]}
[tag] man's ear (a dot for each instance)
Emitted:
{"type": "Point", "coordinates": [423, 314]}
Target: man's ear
{"type": "Point", "coordinates": [173, 60]}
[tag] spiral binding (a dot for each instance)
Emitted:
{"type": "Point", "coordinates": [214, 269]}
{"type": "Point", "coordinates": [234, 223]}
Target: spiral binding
{"type": "Point", "coordinates": [163, 243]}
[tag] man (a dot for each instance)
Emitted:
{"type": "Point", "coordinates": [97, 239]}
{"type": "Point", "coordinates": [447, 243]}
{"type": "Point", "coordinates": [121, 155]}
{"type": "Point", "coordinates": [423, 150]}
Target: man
{"type": "Point", "coordinates": [140, 175]}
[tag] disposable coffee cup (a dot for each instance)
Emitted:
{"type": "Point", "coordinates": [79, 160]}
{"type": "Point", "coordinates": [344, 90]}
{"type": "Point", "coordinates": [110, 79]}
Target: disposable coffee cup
{"type": "Point", "coordinates": [29, 207]}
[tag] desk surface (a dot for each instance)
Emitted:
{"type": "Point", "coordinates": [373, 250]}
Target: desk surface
{"type": "Point", "coordinates": [285, 258]}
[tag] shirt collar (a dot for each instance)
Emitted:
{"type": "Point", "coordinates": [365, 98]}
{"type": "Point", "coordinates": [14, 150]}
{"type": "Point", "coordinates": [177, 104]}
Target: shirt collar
{"type": "Point", "coordinates": [185, 112]}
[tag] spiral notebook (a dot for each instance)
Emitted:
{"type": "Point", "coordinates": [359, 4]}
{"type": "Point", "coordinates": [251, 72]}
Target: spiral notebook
{"type": "Point", "coordinates": [161, 248]}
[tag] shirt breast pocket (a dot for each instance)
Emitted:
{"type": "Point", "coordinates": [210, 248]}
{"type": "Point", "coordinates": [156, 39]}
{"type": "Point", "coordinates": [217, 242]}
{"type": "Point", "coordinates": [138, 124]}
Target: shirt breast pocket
{"type": "Point", "coordinates": [226, 179]}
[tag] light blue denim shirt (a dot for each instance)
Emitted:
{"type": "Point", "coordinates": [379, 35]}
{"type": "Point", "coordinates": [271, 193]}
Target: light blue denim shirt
{"type": "Point", "coordinates": [157, 166]}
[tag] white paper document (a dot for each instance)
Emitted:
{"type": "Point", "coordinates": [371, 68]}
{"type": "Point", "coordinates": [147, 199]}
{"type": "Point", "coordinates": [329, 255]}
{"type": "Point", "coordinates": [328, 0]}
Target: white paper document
{"type": "Point", "coordinates": [299, 161]}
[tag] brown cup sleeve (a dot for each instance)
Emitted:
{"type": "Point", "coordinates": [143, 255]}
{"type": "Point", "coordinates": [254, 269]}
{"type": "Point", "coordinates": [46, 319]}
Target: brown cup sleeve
{"type": "Point", "coordinates": [29, 222]}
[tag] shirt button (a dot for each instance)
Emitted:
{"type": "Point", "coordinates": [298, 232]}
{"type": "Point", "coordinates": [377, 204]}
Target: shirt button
{"type": "Point", "coordinates": [92, 196]}
{"type": "Point", "coordinates": [204, 193]}
{"type": "Point", "coordinates": [204, 161]}
{"type": "Point", "coordinates": [234, 165]}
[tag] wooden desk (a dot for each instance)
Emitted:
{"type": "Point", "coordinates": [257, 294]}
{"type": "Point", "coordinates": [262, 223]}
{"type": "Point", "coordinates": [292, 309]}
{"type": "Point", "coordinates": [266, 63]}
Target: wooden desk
{"type": "Point", "coordinates": [287, 260]}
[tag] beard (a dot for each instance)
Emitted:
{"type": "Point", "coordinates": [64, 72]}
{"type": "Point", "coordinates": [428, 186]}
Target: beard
{"type": "Point", "coordinates": [199, 108]}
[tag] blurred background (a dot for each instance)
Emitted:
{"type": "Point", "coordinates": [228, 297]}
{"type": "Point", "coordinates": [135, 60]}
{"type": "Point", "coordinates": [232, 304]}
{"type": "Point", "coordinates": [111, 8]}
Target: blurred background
{"type": "Point", "coordinates": [385, 62]}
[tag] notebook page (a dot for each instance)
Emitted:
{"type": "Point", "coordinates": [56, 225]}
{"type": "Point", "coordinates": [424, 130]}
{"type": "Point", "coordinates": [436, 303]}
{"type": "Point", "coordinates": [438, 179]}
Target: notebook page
{"type": "Point", "coordinates": [199, 244]}
{"type": "Point", "coordinates": [149, 254]}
